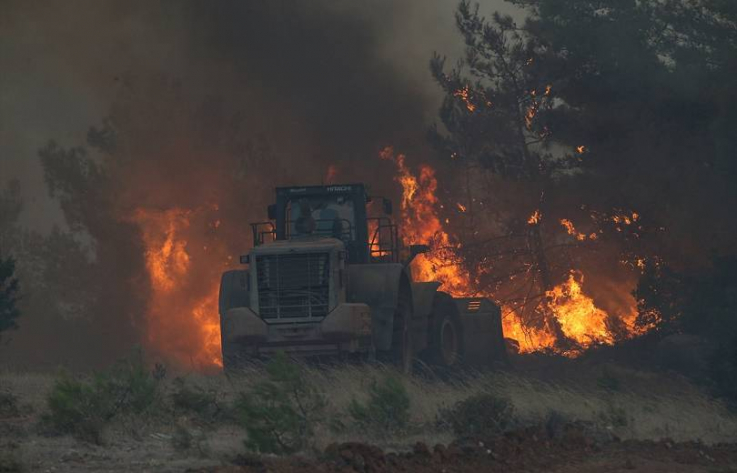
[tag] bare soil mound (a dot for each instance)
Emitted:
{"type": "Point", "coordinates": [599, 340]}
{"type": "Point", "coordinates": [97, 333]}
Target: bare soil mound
{"type": "Point", "coordinates": [527, 450]}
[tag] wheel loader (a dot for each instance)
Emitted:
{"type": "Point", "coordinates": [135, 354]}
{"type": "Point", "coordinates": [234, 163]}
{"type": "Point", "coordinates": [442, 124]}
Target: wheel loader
{"type": "Point", "coordinates": [325, 279]}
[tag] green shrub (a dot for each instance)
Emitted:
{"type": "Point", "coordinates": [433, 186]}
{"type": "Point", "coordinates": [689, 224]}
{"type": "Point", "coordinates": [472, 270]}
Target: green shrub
{"type": "Point", "coordinates": [8, 404]}
{"type": "Point", "coordinates": [182, 439]}
{"type": "Point", "coordinates": [185, 440]}
{"type": "Point", "coordinates": [84, 407]}
{"type": "Point", "coordinates": [614, 416]}
{"type": "Point", "coordinates": [481, 415]}
{"type": "Point", "coordinates": [555, 424]}
{"type": "Point", "coordinates": [281, 412]}
{"type": "Point", "coordinates": [608, 381]}
{"type": "Point", "coordinates": [387, 408]}
{"type": "Point", "coordinates": [9, 462]}
{"type": "Point", "coordinates": [723, 370]}
{"type": "Point", "coordinates": [194, 399]}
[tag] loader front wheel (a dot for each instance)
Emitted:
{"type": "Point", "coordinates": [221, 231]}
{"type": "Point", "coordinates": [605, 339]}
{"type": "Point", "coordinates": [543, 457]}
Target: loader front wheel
{"type": "Point", "coordinates": [446, 343]}
{"type": "Point", "coordinates": [235, 359]}
{"type": "Point", "coordinates": [401, 352]}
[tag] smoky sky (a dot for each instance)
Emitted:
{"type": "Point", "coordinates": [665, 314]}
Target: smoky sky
{"type": "Point", "coordinates": [335, 80]}
{"type": "Point", "coordinates": [271, 92]}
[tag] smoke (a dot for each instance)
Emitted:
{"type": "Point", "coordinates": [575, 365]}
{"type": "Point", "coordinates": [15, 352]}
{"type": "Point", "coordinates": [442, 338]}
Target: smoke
{"type": "Point", "coordinates": [200, 108]}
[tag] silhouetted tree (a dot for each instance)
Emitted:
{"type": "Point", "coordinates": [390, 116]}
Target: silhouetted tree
{"type": "Point", "coordinates": [649, 89]}
{"type": "Point", "coordinates": [11, 205]}
{"type": "Point", "coordinates": [9, 288]}
{"type": "Point", "coordinates": [702, 303]}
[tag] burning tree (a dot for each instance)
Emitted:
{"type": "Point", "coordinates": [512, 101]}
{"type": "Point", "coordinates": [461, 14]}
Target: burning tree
{"type": "Point", "coordinates": [646, 88]}
{"type": "Point", "coordinates": [495, 113]}
{"type": "Point", "coordinates": [591, 109]}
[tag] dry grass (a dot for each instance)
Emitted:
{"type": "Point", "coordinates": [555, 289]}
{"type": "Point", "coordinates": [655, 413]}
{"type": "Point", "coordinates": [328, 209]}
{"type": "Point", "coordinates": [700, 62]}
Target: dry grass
{"type": "Point", "coordinates": [636, 405]}
{"type": "Point", "coordinates": [30, 388]}
{"type": "Point", "coordinates": [642, 406]}
{"type": "Point", "coordinates": [629, 404]}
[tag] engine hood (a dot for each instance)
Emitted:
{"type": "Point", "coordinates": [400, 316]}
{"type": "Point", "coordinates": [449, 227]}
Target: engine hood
{"type": "Point", "coordinates": [301, 245]}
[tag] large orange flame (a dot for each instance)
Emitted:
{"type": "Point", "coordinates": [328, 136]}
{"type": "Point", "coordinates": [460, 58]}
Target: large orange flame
{"type": "Point", "coordinates": [579, 318]}
{"type": "Point", "coordinates": [575, 312]}
{"type": "Point", "coordinates": [182, 322]}
{"type": "Point", "coordinates": [421, 225]}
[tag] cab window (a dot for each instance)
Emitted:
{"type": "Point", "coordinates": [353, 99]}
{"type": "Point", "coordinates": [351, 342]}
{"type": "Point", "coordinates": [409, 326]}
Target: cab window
{"type": "Point", "coordinates": [326, 216]}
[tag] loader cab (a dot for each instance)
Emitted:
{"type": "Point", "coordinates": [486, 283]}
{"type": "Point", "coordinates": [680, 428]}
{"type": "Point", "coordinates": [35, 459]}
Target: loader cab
{"type": "Point", "coordinates": [335, 211]}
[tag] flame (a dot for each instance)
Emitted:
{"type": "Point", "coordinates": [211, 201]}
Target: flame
{"type": "Point", "coordinates": [532, 109]}
{"type": "Point", "coordinates": [535, 217]}
{"type": "Point", "coordinates": [377, 246]}
{"type": "Point", "coordinates": [528, 339]}
{"type": "Point", "coordinates": [575, 312]}
{"type": "Point", "coordinates": [331, 174]}
{"type": "Point", "coordinates": [182, 321]}
{"type": "Point", "coordinates": [530, 116]}
{"type": "Point", "coordinates": [581, 149]}
{"type": "Point", "coordinates": [421, 225]}
{"type": "Point", "coordinates": [571, 230]}
{"type": "Point", "coordinates": [461, 208]}
{"type": "Point", "coordinates": [627, 219]}
{"type": "Point", "coordinates": [465, 95]}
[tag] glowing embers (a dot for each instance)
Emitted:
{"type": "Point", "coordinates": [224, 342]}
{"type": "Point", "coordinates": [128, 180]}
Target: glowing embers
{"type": "Point", "coordinates": [471, 98]}
{"type": "Point", "coordinates": [571, 230]}
{"type": "Point", "coordinates": [465, 96]}
{"type": "Point", "coordinates": [535, 217]}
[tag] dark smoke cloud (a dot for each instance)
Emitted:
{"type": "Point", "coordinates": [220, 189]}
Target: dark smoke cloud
{"type": "Point", "coordinates": [214, 103]}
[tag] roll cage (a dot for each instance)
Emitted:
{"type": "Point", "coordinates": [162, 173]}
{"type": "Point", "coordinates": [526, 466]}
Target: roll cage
{"type": "Point", "coordinates": [367, 240]}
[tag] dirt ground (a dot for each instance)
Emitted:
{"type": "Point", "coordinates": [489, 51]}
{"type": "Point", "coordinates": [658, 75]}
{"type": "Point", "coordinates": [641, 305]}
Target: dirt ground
{"type": "Point", "coordinates": [529, 450]}
{"type": "Point", "coordinates": [518, 452]}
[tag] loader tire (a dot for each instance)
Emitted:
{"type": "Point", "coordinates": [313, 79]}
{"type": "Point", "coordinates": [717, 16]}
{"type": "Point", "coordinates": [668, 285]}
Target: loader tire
{"type": "Point", "coordinates": [446, 334]}
{"type": "Point", "coordinates": [401, 351]}
{"type": "Point", "coordinates": [236, 359]}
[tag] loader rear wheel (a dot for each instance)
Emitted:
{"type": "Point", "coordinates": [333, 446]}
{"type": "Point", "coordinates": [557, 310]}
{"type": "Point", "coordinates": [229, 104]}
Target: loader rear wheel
{"type": "Point", "coordinates": [446, 342]}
